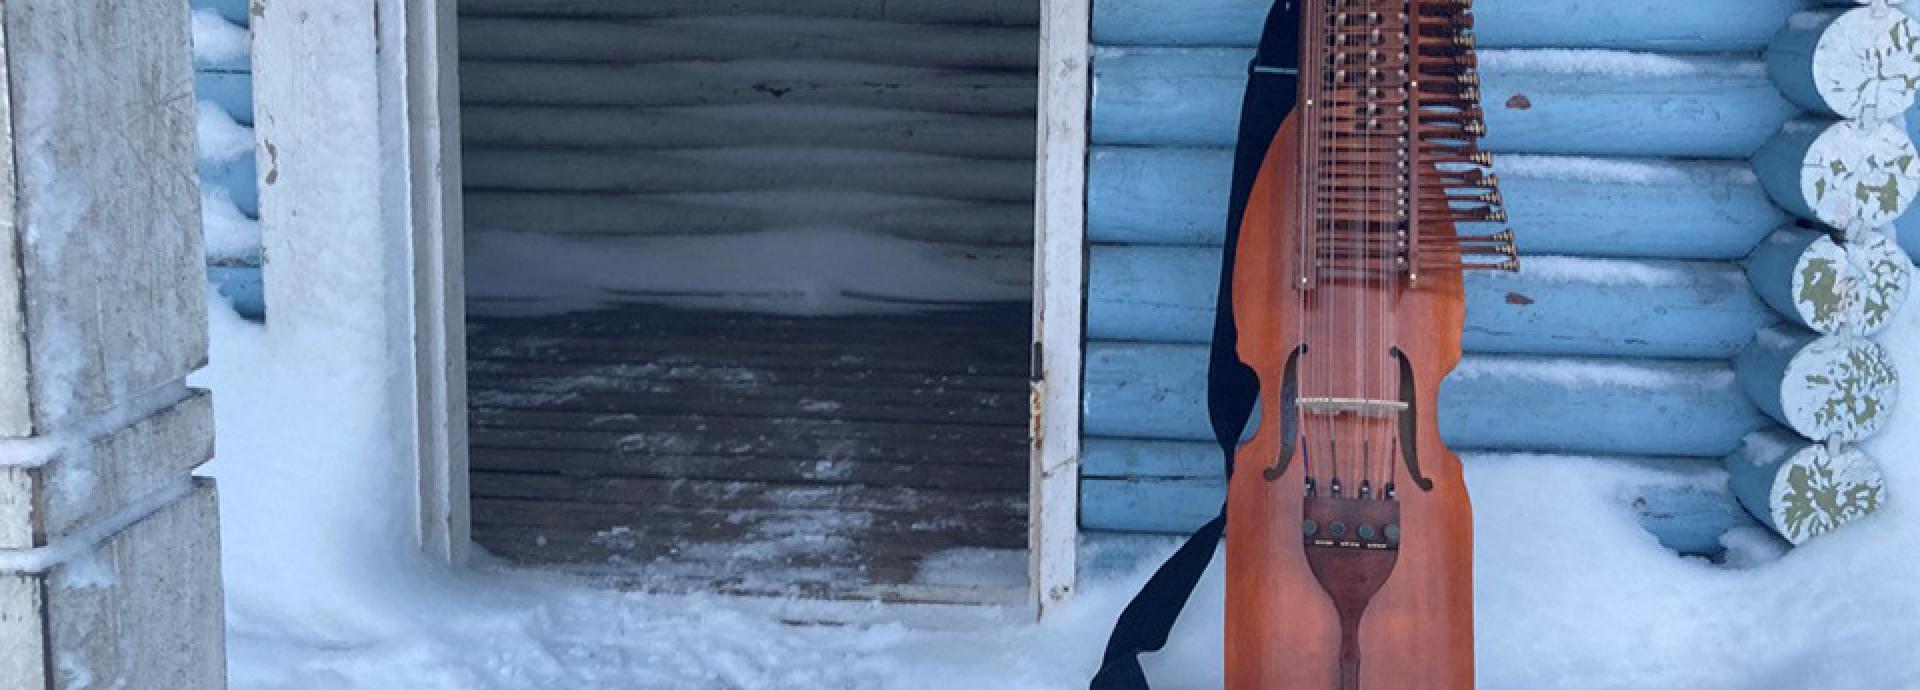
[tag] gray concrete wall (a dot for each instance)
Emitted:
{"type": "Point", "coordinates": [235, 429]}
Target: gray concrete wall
{"type": "Point", "coordinates": [109, 549]}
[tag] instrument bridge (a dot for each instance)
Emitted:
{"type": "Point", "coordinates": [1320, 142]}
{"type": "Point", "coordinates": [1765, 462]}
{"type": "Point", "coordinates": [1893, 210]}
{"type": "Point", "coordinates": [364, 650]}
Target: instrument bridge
{"type": "Point", "coordinates": [1357, 406]}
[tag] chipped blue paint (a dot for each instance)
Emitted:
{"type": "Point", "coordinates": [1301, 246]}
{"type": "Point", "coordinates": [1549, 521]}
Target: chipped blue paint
{"type": "Point", "coordinates": [1617, 308]}
{"type": "Point", "coordinates": [1495, 403]}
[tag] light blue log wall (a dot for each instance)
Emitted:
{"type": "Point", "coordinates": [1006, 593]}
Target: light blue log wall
{"type": "Point", "coordinates": [229, 87]}
{"type": "Point", "coordinates": [1624, 169]}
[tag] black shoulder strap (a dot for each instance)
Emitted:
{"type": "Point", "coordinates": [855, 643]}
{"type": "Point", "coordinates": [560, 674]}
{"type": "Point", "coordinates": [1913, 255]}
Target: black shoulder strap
{"type": "Point", "coordinates": [1232, 386]}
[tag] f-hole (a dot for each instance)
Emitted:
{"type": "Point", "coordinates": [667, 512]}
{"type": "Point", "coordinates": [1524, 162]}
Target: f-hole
{"type": "Point", "coordinates": [1410, 423]}
{"type": "Point", "coordinates": [1289, 415]}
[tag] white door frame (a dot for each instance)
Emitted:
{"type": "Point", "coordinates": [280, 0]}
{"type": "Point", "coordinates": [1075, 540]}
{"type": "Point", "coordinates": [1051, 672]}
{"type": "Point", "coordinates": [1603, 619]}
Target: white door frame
{"type": "Point", "coordinates": [1060, 220]}
{"type": "Point", "coordinates": [432, 88]}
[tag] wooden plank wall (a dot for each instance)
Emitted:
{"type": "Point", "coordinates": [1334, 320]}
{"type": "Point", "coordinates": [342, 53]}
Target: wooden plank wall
{"type": "Point", "coordinates": [1621, 131]}
{"type": "Point", "coordinates": [616, 118]}
{"type": "Point", "coordinates": [228, 86]}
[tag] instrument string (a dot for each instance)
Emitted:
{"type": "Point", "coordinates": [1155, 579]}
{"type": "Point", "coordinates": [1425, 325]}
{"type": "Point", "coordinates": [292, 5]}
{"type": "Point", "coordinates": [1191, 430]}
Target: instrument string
{"type": "Point", "coordinates": [1324, 72]}
{"type": "Point", "coordinates": [1365, 120]}
{"type": "Point", "coordinates": [1309, 75]}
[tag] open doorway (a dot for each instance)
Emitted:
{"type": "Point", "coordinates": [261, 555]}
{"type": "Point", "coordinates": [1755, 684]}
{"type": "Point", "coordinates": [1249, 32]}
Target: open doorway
{"type": "Point", "coordinates": [750, 291]}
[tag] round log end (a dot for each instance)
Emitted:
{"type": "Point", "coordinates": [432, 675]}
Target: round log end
{"type": "Point", "coordinates": [1865, 64]}
{"type": "Point", "coordinates": [1882, 275]}
{"type": "Point", "coordinates": [1858, 175]}
{"type": "Point", "coordinates": [1839, 386]}
{"type": "Point", "coordinates": [1808, 491]}
{"type": "Point", "coordinates": [1829, 287]}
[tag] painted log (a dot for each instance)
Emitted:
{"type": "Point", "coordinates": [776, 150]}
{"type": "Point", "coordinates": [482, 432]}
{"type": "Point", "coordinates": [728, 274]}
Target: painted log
{"type": "Point", "coordinates": [1686, 519]}
{"type": "Point", "coordinates": [1801, 490]}
{"type": "Point", "coordinates": [1856, 63]}
{"type": "Point", "coordinates": [241, 286]}
{"type": "Point", "coordinates": [232, 91]}
{"type": "Point", "coordinates": [1536, 101]}
{"type": "Point", "coordinates": [1007, 224]}
{"type": "Point", "coordinates": [1822, 387]}
{"type": "Point", "coordinates": [660, 85]}
{"type": "Point", "coordinates": [1491, 402]}
{"type": "Point", "coordinates": [972, 12]}
{"type": "Point", "coordinates": [519, 126]}
{"type": "Point", "coordinates": [1830, 288]}
{"type": "Point", "coordinates": [1558, 305]}
{"type": "Point", "coordinates": [1849, 175]}
{"type": "Point", "coordinates": [238, 177]}
{"type": "Point", "coordinates": [1558, 205]}
{"type": "Point", "coordinates": [1647, 25]}
{"type": "Point", "coordinates": [703, 39]}
{"type": "Point", "coordinates": [710, 171]}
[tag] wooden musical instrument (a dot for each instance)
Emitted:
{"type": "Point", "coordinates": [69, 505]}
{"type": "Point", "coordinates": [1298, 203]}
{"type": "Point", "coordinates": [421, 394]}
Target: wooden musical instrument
{"type": "Point", "coordinates": [1350, 550]}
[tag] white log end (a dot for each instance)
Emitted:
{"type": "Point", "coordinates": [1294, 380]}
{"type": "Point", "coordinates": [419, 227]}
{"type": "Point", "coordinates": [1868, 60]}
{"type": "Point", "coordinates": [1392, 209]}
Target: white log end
{"type": "Point", "coordinates": [1853, 288]}
{"type": "Point", "coordinates": [1849, 175]}
{"type": "Point", "coordinates": [1802, 490]}
{"type": "Point", "coordinates": [1838, 386]}
{"type": "Point", "coordinates": [1859, 63]}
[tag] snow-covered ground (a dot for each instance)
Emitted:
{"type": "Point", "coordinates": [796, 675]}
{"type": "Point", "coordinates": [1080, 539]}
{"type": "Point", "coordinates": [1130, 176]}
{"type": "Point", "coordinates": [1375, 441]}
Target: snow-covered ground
{"type": "Point", "coordinates": [1572, 593]}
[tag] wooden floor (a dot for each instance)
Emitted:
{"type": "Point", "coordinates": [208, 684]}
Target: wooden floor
{"type": "Point", "coordinates": [829, 457]}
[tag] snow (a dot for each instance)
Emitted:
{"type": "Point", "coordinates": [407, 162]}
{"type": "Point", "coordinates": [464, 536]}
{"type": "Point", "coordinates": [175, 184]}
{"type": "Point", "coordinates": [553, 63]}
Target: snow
{"type": "Point", "coordinates": [1617, 63]}
{"type": "Point", "coordinates": [1622, 170]}
{"type": "Point", "coordinates": [217, 41]}
{"type": "Point", "coordinates": [1588, 372]}
{"type": "Point", "coordinates": [800, 271]}
{"type": "Point", "coordinates": [1571, 592]}
{"type": "Point", "coordinates": [221, 139]}
{"type": "Point", "coordinates": [1625, 273]}
{"type": "Point", "coordinates": [231, 236]}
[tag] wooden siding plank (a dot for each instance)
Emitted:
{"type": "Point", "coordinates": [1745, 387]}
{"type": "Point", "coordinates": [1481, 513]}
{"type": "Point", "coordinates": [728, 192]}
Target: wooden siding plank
{"type": "Point", "coordinates": [972, 12]}
{"type": "Point", "coordinates": [759, 469]}
{"type": "Point", "coordinates": [611, 492]}
{"type": "Point", "coordinates": [1558, 205]}
{"type": "Point", "coordinates": [714, 171]}
{"type": "Point", "coordinates": [1662, 25]}
{"type": "Point", "coordinates": [747, 82]}
{"type": "Point", "coordinates": [999, 137]}
{"type": "Point", "coordinates": [1555, 305]}
{"type": "Point", "coordinates": [993, 224]}
{"type": "Point", "coordinates": [1567, 404]}
{"type": "Point", "coordinates": [1535, 102]}
{"type": "Point", "coordinates": [634, 434]}
{"type": "Point", "coordinates": [721, 39]}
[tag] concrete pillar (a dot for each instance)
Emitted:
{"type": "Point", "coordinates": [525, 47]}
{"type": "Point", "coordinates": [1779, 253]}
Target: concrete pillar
{"type": "Point", "coordinates": [109, 547]}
